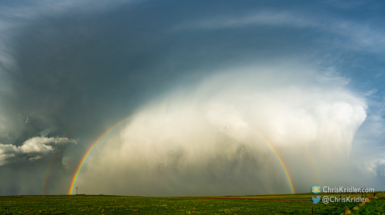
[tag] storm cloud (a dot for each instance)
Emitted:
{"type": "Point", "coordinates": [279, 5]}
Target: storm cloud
{"type": "Point", "coordinates": [213, 136]}
{"type": "Point", "coordinates": [206, 81]}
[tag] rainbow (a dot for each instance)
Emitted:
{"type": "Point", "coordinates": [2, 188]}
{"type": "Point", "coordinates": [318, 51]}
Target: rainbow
{"type": "Point", "coordinates": [314, 165]}
{"type": "Point", "coordinates": [48, 170]}
{"type": "Point", "coordinates": [278, 158]}
{"type": "Point", "coordinates": [91, 148]}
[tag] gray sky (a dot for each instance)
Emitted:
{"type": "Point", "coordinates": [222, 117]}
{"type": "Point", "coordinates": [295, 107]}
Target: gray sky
{"type": "Point", "coordinates": [212, 87]}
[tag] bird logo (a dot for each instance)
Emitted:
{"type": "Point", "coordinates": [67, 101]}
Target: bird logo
{"type": "Point", "coordinates": [316, 199]}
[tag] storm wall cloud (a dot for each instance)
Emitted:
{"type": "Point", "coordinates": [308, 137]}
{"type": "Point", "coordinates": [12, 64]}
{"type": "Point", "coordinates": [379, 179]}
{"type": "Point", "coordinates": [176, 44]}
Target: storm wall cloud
{"type": "Point", "coordinates": [207, 85]}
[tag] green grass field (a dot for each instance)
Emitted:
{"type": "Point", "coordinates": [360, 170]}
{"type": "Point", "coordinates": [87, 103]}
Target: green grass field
{"type": "Point", "coordinates": [164, 205]}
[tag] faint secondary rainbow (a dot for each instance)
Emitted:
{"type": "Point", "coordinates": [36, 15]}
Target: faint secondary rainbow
{"type": "Point", "coordinates": [91, 148]}
{"type": "Point", "coordinates": [278, 158]}
{"type": "Point", "coordinates": [314, 165]}
{"type": "Point", "coordinates": [48, 170]}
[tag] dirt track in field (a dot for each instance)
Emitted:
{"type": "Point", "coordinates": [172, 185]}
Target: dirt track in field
{"type": "Point", "coordinates": [253, 199]}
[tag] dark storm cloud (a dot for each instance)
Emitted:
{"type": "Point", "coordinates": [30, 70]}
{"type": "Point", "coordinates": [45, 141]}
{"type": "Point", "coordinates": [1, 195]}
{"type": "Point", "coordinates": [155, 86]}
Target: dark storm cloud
{"type": "Point", "coordinates": [45, 84]}
{"type": "Point", "coordinates": [82, 66]}
{"type": "Point", "coordinates": [87, 64]}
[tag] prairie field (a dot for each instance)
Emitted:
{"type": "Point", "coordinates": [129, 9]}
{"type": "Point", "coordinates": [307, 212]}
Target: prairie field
{"type": "Point", "coordinates": [103, 204]}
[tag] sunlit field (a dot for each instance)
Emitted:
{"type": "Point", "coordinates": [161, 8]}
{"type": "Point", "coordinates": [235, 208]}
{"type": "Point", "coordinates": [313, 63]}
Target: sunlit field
{"type": "Point", "coordinates": [101, 204]}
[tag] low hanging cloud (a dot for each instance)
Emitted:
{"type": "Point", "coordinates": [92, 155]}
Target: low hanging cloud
{"type": "Point", "coordinates": [33, 149]}
{"type": "Point", "coordinates": [211, 138]}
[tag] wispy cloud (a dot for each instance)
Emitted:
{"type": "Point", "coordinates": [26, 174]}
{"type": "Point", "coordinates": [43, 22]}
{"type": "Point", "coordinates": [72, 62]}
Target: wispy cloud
{"type": "Point", "coordinates": [27, 10]}
{"type": "Point", "coordinates": [266, 17]}
{"type": "Point", "coordinates": [348, 4]}
{"type": "Point", "coordinates": [353, 35]}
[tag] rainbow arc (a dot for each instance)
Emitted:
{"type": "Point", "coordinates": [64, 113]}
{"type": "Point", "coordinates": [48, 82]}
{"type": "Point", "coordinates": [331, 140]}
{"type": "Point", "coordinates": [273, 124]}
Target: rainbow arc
{"type": "Point", "coordinates": [91, 148]}
{"type": "Point", "coordinates": [279, 158]}
{"type": "Point", "coordinates": [95, 143]}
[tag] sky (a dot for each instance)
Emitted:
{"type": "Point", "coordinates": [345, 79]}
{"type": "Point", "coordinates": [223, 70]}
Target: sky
{"type": "Point", "coordinates": [179, 98]}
